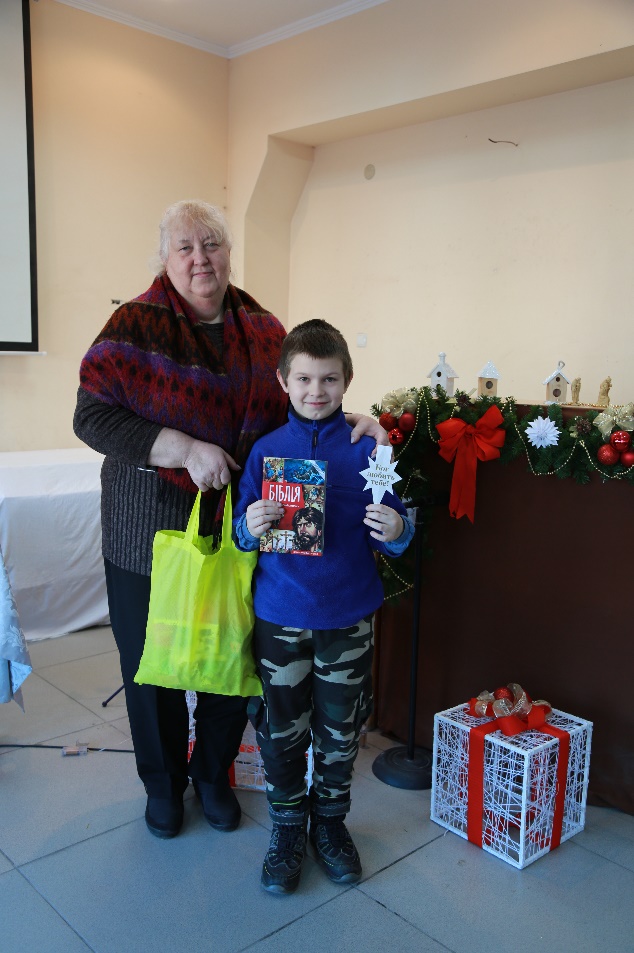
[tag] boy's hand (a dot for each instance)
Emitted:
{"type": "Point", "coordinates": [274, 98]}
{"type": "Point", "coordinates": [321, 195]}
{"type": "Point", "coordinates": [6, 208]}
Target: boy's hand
{"type": "Point", "coordinates": [261, 515]}
{"type": "Point", "coordinates": [386, 523]}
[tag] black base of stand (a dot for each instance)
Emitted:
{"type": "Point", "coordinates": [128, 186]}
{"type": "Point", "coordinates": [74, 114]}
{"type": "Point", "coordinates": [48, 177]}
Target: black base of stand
{"type": "Point", "coordinates": [396, 768]}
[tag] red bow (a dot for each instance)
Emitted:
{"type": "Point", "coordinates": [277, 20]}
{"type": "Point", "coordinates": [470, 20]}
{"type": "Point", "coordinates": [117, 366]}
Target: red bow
{"type": "Point", "coordinates": [532, 718]}
{"type": "Point", "coordinates": [468, 444]}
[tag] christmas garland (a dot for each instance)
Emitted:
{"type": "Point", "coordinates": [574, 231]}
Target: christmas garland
{"type": "Point", "coordinates": [593, 441]}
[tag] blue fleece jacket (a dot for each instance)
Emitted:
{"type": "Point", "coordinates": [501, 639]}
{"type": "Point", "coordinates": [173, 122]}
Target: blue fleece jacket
{"type": "Point", "coordinates": [341, 586]}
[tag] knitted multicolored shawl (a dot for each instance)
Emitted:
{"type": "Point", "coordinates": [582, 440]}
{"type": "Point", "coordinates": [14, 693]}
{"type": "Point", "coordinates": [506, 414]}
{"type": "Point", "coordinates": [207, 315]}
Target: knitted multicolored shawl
{"type": "Point", "coordinates": [153, 359]}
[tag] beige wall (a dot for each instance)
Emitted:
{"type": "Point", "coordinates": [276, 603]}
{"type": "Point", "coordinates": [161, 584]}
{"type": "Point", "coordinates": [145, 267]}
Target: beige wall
{"type": "Point", "coordinates": [408, 52]}
{"type": "Point", "coordinates": [124, 123]}
{"type": "Point", "coordinates": [514, 254]}
{"type": "Point", "coordinates": [517, 254]}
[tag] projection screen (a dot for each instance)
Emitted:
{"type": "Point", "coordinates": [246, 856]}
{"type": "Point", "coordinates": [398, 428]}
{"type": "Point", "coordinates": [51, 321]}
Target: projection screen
{"type": "Point", "coordinates": [18, 276]}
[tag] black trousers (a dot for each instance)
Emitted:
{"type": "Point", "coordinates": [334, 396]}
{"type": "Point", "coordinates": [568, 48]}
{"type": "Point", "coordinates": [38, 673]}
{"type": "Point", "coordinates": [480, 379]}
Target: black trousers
{"type": "Point", "coordinates": [159, 720]}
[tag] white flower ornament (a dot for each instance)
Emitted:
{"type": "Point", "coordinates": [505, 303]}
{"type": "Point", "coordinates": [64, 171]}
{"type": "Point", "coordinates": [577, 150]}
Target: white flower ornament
{"type": "Point", "coordinates": [542, 432]}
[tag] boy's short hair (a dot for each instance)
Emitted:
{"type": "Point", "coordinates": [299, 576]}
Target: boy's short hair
{"type": "Point", "coordinates": [318, 339]}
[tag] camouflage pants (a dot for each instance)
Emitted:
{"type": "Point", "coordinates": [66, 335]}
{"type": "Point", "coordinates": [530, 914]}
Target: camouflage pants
{"type": "Point", "coordinates": [315, 681]}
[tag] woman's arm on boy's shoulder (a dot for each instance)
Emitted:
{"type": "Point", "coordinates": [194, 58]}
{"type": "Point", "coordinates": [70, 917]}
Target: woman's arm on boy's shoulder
{"type": "Point", "coordinates": [366, 426]}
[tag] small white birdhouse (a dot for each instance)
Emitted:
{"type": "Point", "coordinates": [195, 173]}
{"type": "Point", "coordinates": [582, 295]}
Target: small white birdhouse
{"type": "Point", "coordinates": [444, 375]}
{"type": "Point", "coordinates": [488, 380]}
{"type": "Point", "coordinates": [556, 385]}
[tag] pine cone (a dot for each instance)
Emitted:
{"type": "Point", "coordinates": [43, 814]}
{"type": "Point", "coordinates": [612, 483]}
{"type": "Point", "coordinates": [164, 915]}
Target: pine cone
{"type": "Point", "coordinates": [582, 426]}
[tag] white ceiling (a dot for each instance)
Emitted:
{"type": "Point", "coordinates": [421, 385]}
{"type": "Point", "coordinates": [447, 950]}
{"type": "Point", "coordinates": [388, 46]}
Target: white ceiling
{"type": "Point", "coordinates": [224, 27]}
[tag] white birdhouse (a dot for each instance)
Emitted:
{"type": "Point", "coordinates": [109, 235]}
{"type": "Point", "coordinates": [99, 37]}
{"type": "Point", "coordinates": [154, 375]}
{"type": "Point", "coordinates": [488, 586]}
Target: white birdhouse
{"type": "Point", "coordinates": [556, 385]}
{"type": "Point", "coordinates": [488, 380]}
{"type": "Point", "coordinates": [444, 375]}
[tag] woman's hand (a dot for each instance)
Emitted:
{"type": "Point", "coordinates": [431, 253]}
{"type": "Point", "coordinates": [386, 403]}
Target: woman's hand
{"type": "Point", "coordinates": [208, 465]}
{"type": "Point", "coordinates": [386, 523]}
{"type": "Point", "coordinates": [366, 427]}
{"type": "Point", "coordinates": [261, 515]}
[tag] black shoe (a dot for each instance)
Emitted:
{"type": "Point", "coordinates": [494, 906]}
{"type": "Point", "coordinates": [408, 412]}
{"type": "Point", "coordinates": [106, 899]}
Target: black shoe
{"type": "Point", "coordinates": [220, 805]}
{"type": "Point", "coordinates": [283, 861]}
{"type": "Point", "coordinates": [335, 849]}
{"type": "Point", "coordinates": [164, 816]}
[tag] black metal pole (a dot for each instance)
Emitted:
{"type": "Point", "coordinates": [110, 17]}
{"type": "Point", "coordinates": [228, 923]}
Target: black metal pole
{"type": "Point", "coordinates": [413, 675]}
{"type": "Point", "coordinates": [408, 766]}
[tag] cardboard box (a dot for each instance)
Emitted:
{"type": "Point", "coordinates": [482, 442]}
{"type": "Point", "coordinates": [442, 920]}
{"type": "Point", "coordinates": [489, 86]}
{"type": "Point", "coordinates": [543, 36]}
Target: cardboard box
{"type": "Point", "coordinates": [247, 771]}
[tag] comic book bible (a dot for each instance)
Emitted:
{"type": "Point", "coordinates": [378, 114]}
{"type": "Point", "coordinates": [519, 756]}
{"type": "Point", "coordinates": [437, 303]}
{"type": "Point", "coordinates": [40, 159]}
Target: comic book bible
{"type": "Point", "coordinates": [300, 486]}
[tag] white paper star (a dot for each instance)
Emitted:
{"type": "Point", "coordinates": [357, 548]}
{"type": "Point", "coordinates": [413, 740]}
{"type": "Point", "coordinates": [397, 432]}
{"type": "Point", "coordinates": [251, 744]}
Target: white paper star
{"type": "Point", "coordinates": [542, 432]}
{"type": "Point", "coordinates": [381, 474]}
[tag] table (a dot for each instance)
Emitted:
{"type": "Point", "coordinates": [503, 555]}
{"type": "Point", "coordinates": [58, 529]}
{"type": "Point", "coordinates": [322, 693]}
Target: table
{"type": "Point", "coordinates": [50, 538]}
{"type": "Point", "coordinates": [15, 663]}
{"type": "Point", "coordinates": [536, 591]}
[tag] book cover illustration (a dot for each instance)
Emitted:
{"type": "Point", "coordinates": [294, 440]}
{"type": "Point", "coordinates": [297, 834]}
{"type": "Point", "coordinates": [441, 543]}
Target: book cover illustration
{"type": "Point", "coordinates": [300, 486]}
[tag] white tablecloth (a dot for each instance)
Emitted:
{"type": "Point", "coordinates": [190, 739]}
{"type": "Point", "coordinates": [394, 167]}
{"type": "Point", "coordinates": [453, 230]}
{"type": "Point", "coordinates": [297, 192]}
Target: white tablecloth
{"type": "Point", "coordinates": [15, 663]}
{"type": "Point", "coordinates": [50, 537]}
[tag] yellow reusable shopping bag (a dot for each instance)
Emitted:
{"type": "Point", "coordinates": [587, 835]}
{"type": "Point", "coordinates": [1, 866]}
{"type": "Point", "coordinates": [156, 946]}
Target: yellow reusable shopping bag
{"type": "Point", "coordinates": [200, 621]}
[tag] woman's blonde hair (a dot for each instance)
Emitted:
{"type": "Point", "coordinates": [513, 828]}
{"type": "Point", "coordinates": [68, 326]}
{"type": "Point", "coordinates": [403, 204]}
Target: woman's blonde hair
{"type": "Point", "coordinates": [199, 215]}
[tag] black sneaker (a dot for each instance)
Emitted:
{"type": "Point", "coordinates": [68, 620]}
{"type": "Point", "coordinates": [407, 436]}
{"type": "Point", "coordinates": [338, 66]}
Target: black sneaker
{"type": "Point", "coordinates": [164, 816]}
{"type": "Point", "coordinates": [335, 849]}
{"type": "Point", "coordinates": [283, 861]}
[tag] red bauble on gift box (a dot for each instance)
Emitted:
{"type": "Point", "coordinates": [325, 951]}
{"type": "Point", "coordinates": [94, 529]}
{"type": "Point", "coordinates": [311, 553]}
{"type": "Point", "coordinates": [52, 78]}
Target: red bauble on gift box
{"type": "Point", "coordinates": [396, 437]}
{"type": "Point", "coordinates": [627, 458]}
{"type": "Point", "coordinates": [607, 455]}
{"type": "Point", "coordinates": [503, 693]}
{"type": "Point", "coordinates": [387, 421]}
{"type": "Point", "coordinates": [620, 440]}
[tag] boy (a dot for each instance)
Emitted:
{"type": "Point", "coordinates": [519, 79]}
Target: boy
{"type": "Point", "coordinates": [313, 637]}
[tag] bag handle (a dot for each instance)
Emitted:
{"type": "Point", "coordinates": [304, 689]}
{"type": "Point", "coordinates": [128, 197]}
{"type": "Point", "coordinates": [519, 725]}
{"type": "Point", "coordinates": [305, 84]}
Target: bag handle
{"type": "Point", "coordinates": [194, 520]}
{"type": "Point", "coordinates": [227, 521]}
{"type": "Point", "coordinates": [193, 524]}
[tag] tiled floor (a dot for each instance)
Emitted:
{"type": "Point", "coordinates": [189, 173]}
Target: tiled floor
{"type": "Point", "coordinates": [79, 870]}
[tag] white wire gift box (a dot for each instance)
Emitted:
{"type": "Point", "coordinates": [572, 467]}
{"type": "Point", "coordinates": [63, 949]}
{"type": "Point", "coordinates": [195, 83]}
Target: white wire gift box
{"type": "Point", "coordinates": [247, 771]}
{"type": "Point", "coordinates": [517, 797]}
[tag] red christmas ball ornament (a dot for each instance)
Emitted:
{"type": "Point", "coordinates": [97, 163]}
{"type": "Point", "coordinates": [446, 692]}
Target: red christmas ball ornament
{"type": "Point", "coordinates": [607, 455]}
{"type": "Point", "coordinates": [620, 440]}
{"type": "Point", "coordinates": [627, 458]}
{"type": "Point", "coordinates": [503, 693]}
{"type": "Point", "coordinates": [396, 437]}
{"type": "Point", "coordinates": [387, 421]}
{"type": "Point", "coordinates": [406, 422]}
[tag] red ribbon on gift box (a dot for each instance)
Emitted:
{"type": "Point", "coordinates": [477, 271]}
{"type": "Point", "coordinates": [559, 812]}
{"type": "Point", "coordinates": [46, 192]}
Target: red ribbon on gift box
{"type": "Point", "coordinates": [468, 444]}
{"type": "Point", "coordinates": [534, 720]}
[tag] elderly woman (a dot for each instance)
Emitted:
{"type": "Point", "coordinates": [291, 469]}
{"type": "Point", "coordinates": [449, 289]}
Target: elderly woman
{"type": "Point", "coordinates": [174, 391]}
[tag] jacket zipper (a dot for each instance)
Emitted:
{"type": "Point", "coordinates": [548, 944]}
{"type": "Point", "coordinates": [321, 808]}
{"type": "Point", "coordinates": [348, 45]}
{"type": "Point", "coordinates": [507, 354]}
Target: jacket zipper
{"type": "Point", "coordinates": [314, 443]}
